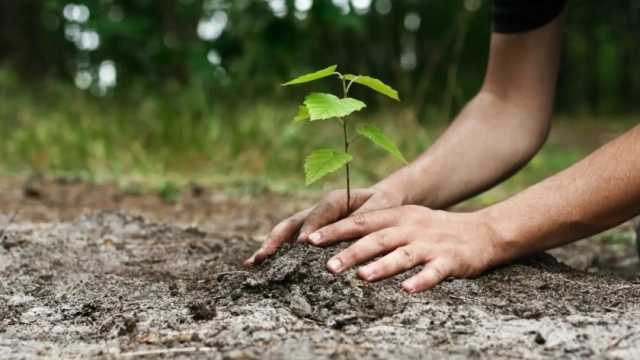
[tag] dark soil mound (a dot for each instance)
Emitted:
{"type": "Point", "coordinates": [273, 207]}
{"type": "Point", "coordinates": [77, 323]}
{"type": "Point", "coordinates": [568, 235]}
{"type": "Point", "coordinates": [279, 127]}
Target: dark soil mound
{"type": "Point", "coordinates": [296, 278]}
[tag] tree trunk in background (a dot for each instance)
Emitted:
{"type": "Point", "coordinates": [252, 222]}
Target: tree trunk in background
{"type": "Point", "coordinates": [24, 43]}
{"type": "Point", "coordinates": [593, 91]}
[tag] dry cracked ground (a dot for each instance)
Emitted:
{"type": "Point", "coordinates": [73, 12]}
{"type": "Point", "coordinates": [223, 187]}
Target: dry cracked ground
{"type": "Point", "coordinates": [89, 271]}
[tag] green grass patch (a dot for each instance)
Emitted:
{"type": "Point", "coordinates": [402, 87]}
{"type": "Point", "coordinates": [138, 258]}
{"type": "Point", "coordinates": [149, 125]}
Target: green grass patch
{"type": "Point", "coordinates": [181, 136]}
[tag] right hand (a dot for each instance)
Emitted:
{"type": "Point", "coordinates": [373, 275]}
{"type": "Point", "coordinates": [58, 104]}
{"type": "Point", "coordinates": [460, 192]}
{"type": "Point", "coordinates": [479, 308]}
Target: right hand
{"type": "Point", "coordinates": [329, 210]}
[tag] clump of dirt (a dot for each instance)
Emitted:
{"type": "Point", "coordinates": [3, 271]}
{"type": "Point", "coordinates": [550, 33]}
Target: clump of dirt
{"type": "Point", "coordinates": [295, 276]}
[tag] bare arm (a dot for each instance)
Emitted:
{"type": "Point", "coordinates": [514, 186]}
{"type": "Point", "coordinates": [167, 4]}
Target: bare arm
{"type": "Point", "coordinates": [601, 191]}
{"type": "Point", "coordinates": [598, 193]}
{"type": "Point", "coordinates": [498, 131]}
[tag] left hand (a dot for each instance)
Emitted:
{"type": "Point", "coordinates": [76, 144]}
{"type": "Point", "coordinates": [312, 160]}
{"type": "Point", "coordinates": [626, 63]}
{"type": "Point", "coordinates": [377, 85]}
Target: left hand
{"type": "Point", "coordinates": [447, 244]}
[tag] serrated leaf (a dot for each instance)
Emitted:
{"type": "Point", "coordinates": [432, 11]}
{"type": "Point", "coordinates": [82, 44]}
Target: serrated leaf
{"type": "Point", "coordinates": [303, 114]}
{"type": "Point", "coordinates": [323, 106]}
{"type": "Point", "coordinates": [380, 139]}
{"type": "Point", "coordinates": [322, 162]}
{"type": "Point", "coordinates": [374, 84]}
{"type": "Point", "coordinates": [312, 76]}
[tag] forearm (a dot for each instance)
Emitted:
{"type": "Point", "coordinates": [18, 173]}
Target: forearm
{"type": "Point", "coordinates": [498, 131]}
{"type": "Point", "coordinates": [601, 191]}
{"type": "Point", "coordinates": [489, 140]}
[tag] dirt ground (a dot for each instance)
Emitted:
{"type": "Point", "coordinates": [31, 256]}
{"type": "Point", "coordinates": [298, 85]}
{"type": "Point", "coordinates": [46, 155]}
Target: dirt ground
{"type": "Point", "coordinates": [89, 271]}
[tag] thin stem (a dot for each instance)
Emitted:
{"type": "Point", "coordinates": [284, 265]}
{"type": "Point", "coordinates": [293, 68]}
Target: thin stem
{"type": "Point", "coordinates": [346, 150]}
{"type": "Point", "coordinates": [345, 89]}
{"type": "Point", "coordinates": [351, 83]}
{"type": "Point", "coordinates": [345, 132]}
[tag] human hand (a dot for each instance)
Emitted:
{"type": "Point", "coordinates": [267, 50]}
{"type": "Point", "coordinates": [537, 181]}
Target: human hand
{"type": "Point", "coordinates": [332, 208]}
{"type": "Point", "coordinates": [447, 244]}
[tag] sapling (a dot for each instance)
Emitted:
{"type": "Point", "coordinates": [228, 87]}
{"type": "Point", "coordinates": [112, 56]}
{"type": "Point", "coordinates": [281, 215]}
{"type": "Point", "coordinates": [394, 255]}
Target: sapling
{"type": "Point", "coordinates": [323, 106]}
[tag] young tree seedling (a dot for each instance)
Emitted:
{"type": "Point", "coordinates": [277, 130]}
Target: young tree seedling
{"type": "Point", "coordinates": [323, 106]}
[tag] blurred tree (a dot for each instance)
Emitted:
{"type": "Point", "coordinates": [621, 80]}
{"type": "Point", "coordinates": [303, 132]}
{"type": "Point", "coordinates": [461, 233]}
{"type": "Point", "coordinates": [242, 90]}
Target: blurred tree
{"type": "Point", "coordinates": [29, 40]}
{"type": "Point", "coordinates": [433, 51]}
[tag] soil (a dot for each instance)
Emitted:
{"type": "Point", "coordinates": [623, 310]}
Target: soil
{"type": "Point", "coordinates": [87, 271]}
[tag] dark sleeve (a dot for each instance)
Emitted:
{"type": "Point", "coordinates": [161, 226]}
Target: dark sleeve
{"type": "Point", "coordinates": [512, 16]}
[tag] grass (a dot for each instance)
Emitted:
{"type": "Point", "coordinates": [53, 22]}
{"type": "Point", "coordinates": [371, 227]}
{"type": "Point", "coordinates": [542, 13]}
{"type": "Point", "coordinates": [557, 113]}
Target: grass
{"type": "Point", "coordinates": [167, 139]}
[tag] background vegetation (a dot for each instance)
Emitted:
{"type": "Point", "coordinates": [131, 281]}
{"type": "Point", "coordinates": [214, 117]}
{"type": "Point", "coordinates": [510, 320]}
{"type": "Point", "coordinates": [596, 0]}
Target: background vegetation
{"type": "Point", "coordinates": [177, 90]}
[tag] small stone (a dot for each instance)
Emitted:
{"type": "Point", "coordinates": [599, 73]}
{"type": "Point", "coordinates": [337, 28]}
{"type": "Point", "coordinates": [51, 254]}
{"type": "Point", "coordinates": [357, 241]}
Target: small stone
{"type": "Point", "coordinates": [539, 339]}
{"type": "Point", "coordinates": [299, 304]}
{"type": "Point", "coordinates": [202, 311]}
{"type": "Point", "coordinates": [238, 355]}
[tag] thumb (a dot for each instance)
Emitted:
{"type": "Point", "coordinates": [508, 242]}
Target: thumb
{"type": "Point", "coordinates": [332, 209]}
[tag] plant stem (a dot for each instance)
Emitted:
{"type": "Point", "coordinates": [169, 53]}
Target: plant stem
{"type": "Point", "coordinates": [345, 132]}
{"type": "Point", "coordinates": [346, 150]}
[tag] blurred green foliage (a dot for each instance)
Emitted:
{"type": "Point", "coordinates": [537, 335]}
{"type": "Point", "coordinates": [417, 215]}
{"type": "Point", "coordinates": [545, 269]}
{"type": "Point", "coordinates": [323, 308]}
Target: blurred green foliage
{"type": "Point", "coordinates": [173, 89]}
{"type": "Point", "coordinates": [434, 52]}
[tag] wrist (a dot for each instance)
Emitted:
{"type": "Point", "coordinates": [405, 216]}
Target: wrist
{"type": "Point", "coordinates": [395, 193]}
{"type": "Point", "coordinates": [396, 188]}
{"type": "Point", "coordinates": [505, 233]}
{"type": "Point", "coordinates": [405, 185]}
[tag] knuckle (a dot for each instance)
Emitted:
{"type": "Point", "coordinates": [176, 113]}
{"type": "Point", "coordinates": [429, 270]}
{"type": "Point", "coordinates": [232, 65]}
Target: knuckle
{"type": "Point", "coordinates": [281, 228]}
{"type": "Point", "coordinates": [285, 224]}
{"type": "Point", "coordinates": [406, 254]}
{"type": "Point", "coordinates": [348, 256]}
{"type": "Point", "coordinates": [317, 218]}
{"type": "Point", "coordinates": [271, 250]}
{"type": "Point", "coordinates": [380, 241]}
{"type": "Point", "coordinates": [472, 270]}
{"type": "Point", "coordinates": [325, 206]}
{"type": "Point", "coordinates": [438, 272]}
{"type": "Point", "coordinates": [359, 220]}
{"type": "Point", "coordinates": [381, 269]}
{"type": "Point", "coordinates": [464, 264]}
{"type": "Point", "coordinates": [306, 225]}
{"type": "Point", "coordinates": [275, 233]}
{"type": "Point", "coordinates": [445, 267]}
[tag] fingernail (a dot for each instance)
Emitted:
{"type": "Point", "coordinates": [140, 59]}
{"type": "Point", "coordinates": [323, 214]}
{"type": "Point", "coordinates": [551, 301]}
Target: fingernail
{"type": "Point", "coordinates": [334, 265]}
{"type": "Point", "coordinates": [314, 238]}
{"type": "Point", "coordinates": [366, 272]}
{"type": "Point", "coordinates": [250, 261]}
{"type": "Point", "coordinates": [302, 237]}
{"type": "Point", "coordinates": [409, 286]}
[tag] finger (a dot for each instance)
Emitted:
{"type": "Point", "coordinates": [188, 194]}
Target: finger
{"type": "Point", "coordinates": [433, 273]}
{"type": "Point", "coordinates": [332, 208]}
{"type": "Point", "coordinates": [401, 259]}
{"type": "Point", "coordinates": [355, 226]}
{"type": "Point", "coordinates": [282, 232]}
{"type": "Point", "coordinates": [368, 247]}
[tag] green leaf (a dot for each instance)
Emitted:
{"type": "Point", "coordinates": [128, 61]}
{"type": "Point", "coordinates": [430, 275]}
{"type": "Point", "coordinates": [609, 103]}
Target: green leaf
{"type": "Point", "coordinates": [312, 76]}
{"type": "Point", "coordinates": [322, 162]}
{"type": "Point", "coordinates": [379, 138]}
{"type": "Point", "coordinates": [323, 106]}
{"type": "Point", "coordinates": [303, 114]}
{"type": "Point", "coordinates": [374, 84]}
